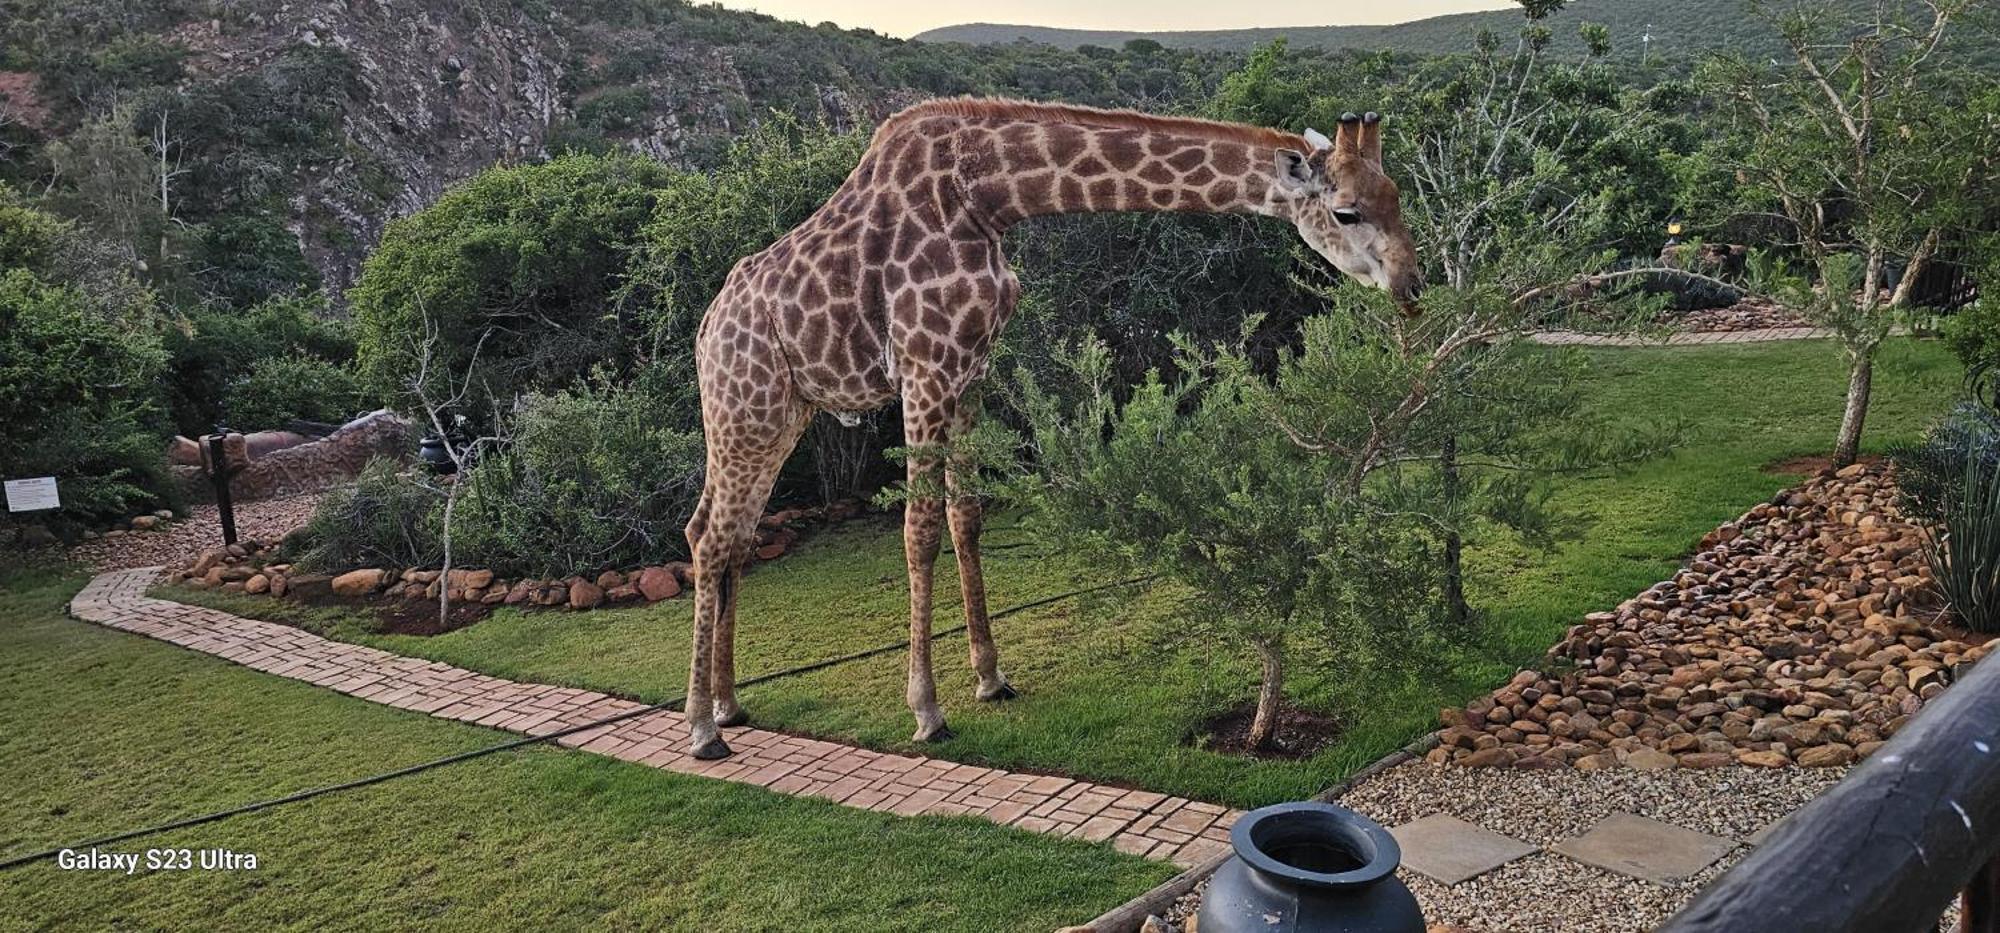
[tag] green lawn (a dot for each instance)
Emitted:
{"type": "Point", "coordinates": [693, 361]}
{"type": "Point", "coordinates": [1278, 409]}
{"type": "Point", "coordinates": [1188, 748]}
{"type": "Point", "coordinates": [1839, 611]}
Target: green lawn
{"type": "Point", "coordinates": [102, 731]}
{"type": "Point", "coordinates": [1109, 694]}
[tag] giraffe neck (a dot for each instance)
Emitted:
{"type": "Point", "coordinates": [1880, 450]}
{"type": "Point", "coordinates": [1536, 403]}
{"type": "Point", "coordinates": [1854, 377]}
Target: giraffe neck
{"type": "Point", "coordinates": [1015, 170]}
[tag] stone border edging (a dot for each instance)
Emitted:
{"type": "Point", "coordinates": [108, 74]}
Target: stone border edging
{"type": "Point", "coordinates": [1128, 917]}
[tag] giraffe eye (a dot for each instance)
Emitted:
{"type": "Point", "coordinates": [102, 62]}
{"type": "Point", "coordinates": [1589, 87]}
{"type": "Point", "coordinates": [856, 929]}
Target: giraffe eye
{"type": "Point", "coordinates": [1346, 215]}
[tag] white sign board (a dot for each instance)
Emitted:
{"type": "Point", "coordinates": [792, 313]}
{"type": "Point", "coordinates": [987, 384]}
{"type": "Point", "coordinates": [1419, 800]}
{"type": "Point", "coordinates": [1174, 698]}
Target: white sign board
{"type": "Point", "coordinates": [32, 495]}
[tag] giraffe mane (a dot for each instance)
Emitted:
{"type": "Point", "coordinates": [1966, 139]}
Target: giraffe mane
{"type": "Point", "coordinates": [1001, 108]}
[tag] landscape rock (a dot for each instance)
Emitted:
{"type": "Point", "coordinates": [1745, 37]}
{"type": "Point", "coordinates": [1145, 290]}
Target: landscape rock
{"type": "Point", "coordinates": [469, 579]}
{"type": "Point", "coordinates": [357, 583]}
{"type": "Point", "coordinates": [584, 594]}
{"type": "Point", "coordinates": [657, 583]}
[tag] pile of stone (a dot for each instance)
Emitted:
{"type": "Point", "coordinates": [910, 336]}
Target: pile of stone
{"type": "Point", "coordinates": [152, 541]}
{"type": "Point", "coordinates": [1798, 635]}
{"type": "Point", "coordinates": [249, 567]}
{"type": "Point", "coordinates": [1751, 313]}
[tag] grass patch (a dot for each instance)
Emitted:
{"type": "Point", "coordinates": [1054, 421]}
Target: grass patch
{"type": "Point", "coordinates": [1109, 694]}
{"type": "Point", "coordinates": [102, 731]}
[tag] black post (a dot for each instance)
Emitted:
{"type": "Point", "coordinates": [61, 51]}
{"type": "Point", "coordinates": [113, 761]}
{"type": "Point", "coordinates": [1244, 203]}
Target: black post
{"type": "Point", "coordinates": [218, 470]}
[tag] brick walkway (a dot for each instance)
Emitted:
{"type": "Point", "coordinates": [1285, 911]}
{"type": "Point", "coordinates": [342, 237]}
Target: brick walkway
{"type": "Point", "coordinates": [1563, 338]}
{"type": "Point", "coordinates": [1140, 822]}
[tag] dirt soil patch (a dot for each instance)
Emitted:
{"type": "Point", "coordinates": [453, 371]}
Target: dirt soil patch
{"type": "Point", "coordinates": [1300, 732]}
{"type": "Point", "coordinates": [1814, 464]}
{"type": "Point", "coordinates": [420, 616]}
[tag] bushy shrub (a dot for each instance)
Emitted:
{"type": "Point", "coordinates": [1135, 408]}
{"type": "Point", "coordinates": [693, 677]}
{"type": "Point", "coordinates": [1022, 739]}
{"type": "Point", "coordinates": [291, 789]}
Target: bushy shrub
{"type": "Point", "coordinates": [79, 356]}
{"type": "Point", "coordinates": [588, 478]}
{"type": "Point", "coordinates": [386, 518]}
{"type": "Point", "coordinates": [1974, 335]}
{"type": "Point", "coordinates": [75, 397]}
{"type": "Point", "coordinates": [592, 477]}
{"type": "Point", "coordinates": [512, 273]}
{"type": "Point", "coordinates": [279, 389]}
{"type": "Point", "coordinates": [215, 349]}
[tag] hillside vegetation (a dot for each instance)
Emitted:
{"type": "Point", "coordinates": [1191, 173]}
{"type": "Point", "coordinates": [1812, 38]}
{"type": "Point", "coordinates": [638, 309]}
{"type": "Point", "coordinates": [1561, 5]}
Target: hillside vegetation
{"type": "Point", "coordinates": [1680, 30]}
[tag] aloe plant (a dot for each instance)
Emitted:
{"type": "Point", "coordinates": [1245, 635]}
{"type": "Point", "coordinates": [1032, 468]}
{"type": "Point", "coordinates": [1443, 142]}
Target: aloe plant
{"type": "Point", "coordinates": [1964, 547]}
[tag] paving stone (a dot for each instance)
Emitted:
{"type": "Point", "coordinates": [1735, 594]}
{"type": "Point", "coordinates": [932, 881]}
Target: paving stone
{"type": "Point", "coordinates": [1449, 850]}
{"type": "Point", "coordinates": [1646, 849]}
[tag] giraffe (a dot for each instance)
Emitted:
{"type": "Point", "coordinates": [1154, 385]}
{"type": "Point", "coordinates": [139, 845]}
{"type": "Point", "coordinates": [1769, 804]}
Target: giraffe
{"type": "Point", "coordinates": [897, 287]}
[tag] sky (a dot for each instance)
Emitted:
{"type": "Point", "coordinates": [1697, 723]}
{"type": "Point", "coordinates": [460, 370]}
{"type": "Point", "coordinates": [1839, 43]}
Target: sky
{"type": "Point", "coordinates": [904, 18]}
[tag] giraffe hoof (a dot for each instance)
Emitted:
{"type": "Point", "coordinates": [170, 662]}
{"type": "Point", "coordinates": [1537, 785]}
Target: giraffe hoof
{"type": "Point", "coordinates": [732, 719]}
{"type": "Point", "coordinates": [711, 750]}
{"type": "Point", "coordinates": [1005, 691]}
{"type": "Point", "coordinates": [942, 733]}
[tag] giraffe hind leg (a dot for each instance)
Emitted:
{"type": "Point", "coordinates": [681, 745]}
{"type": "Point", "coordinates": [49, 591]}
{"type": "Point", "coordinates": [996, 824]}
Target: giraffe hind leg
{"type": "Point", "coordinates": [728, 713]}
{"type": "Point", "coordinates": [967, 514]}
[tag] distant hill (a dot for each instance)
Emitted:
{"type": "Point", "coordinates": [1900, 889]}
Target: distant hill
{"type": "Point", "coordinates": [1679, 28]}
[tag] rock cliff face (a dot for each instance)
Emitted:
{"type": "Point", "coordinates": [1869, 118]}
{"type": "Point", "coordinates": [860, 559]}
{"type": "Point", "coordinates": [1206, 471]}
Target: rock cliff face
{"type": "Point", "coordinates": [438, 91]}
{"type": "Point", "coordinates": [443, 90]}
{"type": "Point", "coordinates": [328, 119]}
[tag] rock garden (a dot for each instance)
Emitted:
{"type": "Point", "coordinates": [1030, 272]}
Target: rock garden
{"type": "Point", "coordinates": [1805, 632]}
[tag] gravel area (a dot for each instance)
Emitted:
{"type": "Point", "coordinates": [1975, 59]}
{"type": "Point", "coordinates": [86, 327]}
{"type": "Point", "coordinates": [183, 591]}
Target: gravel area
{"type": "Point", "coordinates": [1546, 891]}
{"type": "Point", "coordinates": [181, 541]}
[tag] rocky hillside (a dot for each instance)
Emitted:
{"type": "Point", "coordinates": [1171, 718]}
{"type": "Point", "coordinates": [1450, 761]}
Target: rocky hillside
{"type": "Point", "coordinates": [296, 129]}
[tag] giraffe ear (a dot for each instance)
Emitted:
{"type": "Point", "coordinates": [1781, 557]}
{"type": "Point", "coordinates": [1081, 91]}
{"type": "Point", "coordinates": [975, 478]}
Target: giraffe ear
{"type": "Point", "coordinates": [1317, 139]}
{"type": "Point", "coordinates": [1295, 172]}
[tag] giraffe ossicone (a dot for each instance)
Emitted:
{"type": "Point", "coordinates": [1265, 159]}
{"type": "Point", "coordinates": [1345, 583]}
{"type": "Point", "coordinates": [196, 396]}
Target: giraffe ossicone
{"type": "Point", "coordinates": [897, 288]}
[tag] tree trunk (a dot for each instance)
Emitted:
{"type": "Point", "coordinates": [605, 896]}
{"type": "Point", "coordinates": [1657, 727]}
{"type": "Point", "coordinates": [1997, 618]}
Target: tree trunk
{"type": "Point", "coordinates": [444, 571]}
{"type": "Point", "coordinates": [1455, 606]}
{"type": "Point", "coordinates": [1270, 693]}
{"type": "Point", "coordinates": [1860, 382]}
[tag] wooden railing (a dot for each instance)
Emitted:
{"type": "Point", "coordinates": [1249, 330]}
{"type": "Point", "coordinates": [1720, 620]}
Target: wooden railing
{"type": "Point", "coordinates": [1886, 849]}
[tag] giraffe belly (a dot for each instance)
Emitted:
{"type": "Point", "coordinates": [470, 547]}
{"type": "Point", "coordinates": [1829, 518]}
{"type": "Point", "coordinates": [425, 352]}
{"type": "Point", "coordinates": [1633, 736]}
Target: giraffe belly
{"type": "Point", "coordinates": [847, 395]}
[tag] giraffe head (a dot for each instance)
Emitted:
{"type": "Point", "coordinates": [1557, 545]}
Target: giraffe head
{"type": "Point", "coordinates": [1348, 210]}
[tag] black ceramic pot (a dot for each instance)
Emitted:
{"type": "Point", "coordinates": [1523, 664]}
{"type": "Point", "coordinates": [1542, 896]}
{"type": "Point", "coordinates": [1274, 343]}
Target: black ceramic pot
{"type": "Point", "coordinates": [1309, 867]}
{"type": "Point", "coordinates": [434, 456]}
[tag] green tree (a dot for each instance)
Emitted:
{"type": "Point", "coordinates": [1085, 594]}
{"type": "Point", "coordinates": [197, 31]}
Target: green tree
{"type": "Point", "coordinates": [769, 181]}
{"type": "Point", "coordinates": [215, 350]}
{"type": "Point", "coordinates": [1877, 146]}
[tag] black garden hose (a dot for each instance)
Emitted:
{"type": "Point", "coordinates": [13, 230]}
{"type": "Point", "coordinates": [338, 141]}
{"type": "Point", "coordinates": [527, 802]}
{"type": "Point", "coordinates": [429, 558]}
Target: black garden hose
{"type": "Point", "coordinates": [673, 704]}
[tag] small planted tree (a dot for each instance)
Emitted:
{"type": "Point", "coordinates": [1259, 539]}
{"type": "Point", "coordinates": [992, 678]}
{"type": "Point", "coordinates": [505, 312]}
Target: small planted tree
{"type": "Point", "coordinates": [1186, 481]}
{"type": "Point", "coordinates": [1307, 505]}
